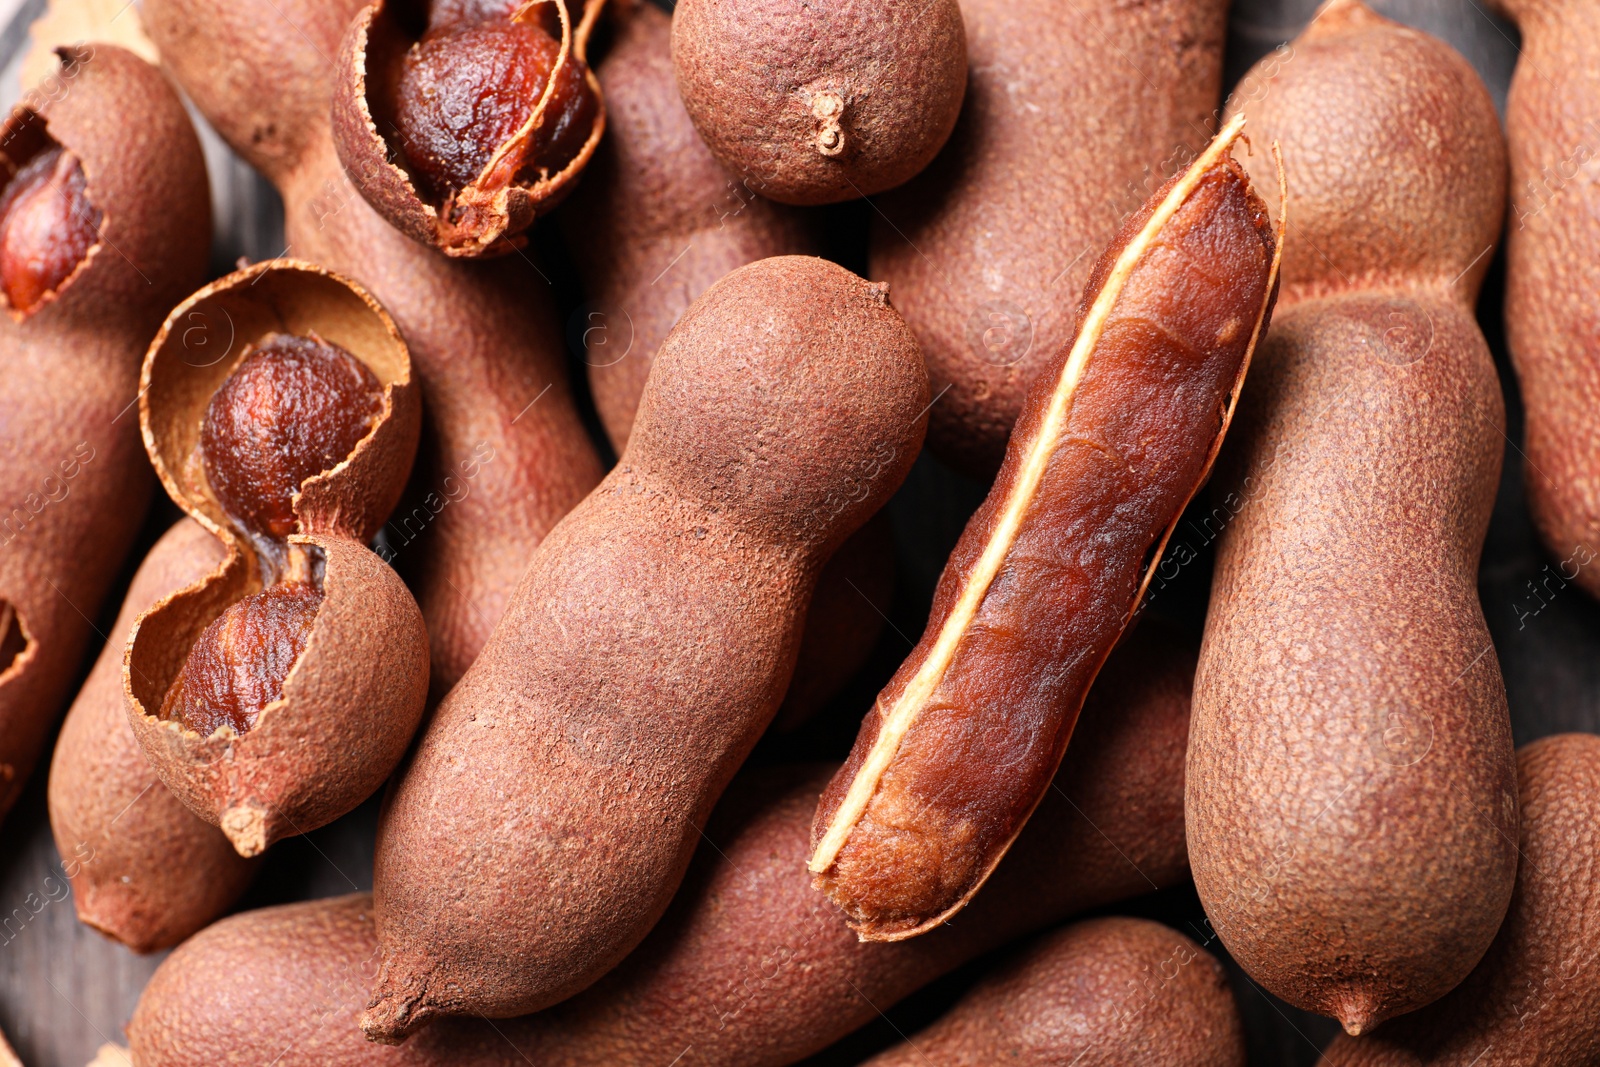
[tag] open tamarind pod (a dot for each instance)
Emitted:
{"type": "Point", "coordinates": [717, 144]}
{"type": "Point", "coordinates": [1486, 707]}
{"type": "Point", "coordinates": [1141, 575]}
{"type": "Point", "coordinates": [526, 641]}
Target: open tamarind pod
{"type": "Point", "coordinates": [105, 223]}
{"type": "Point", "coordinates": [1101, 993]}
{"type": "Point", "coordinates": [556, 796]}
{"type": "Point", "coordinates": [1073, 115]}
{"type": "Point", "coordinates": [1117, 435]}
{"type": "Point", "coordinates": [278, 693]}
{"type": "Point", "coordinates": [655, 222]}
{"type": "Point", "coordinates": [1352, 793]}
{"type": "Point", "coordinates": [750, 967]}
{"type": "Point", "coordinates": [460, 120]}
{"type": "Point", "coordinates": [1532, 1001]}
{"type": "Point", "coordinates": [145, 870]}
{"type": "Point", "coordinates": [1553, 272]}
{"type": "Point", "coordinates": [504, 454]}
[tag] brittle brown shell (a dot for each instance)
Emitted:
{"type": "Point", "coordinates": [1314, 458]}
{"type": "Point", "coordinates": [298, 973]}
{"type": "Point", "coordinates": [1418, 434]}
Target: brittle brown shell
{"type": "Point", "coordinates": [145, 870]}
{"type": "Point", "coordinates": [74, 482]}
{"type": "Point", "coordinates": [356, 693]}
{"type": "Point", "coordinates": [504, 454]}
{"type": "Point", "coordinates": [488, 223]}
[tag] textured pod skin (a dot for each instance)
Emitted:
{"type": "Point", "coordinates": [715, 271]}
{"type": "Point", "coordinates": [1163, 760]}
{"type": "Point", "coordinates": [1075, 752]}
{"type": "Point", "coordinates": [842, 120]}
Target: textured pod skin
{"type": "Point", "coordinates": [657, 219]}
{"type": "Point", "coordinates": [491, 218]}
{"type": "Point", "coordinates": [1553, 272]}
{"type": "Point", "coordinates": [1351, 790]}
{"type": "Point", "coordinates": [750, 967]}
{"type": "Point", "coordinates": [556, 796]}
{"type": "Point", "coordinates": [1533, 1001]}
{"type": "Point", "coordinates": [1117, 435]}
{"type": "Point", "coordinates": [147, 871]}
{"type": "Point", "coordinates": [74, 483]}
{"type": "Point", "coordinates": [356, 693]}
{"type": "Point", "coordinates": [656, 222]}
{"type": "Point", "coordinates": [504, 454]}
{"type": "Point", "coordinates": [818, 102]}
{"type": "Point", "coordinates": [846, 617]}
{"type": "Point", "coordinates": [1074, 114]}
{"type": "Point", "coordinates": [1102, 993]}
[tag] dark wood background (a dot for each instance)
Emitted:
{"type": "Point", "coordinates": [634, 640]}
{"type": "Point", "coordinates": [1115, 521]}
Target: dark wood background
{"type": "Point", "coordinates": [64, 990]}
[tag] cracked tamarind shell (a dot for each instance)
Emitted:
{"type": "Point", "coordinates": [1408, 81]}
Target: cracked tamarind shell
{"type": "Point", "coordinates": [354, 695]}
{"type": "Point", "coordinates": [504, 454]}
{"type": "Point", "coordinates": [145, 870]}
{"type": "Point", "coordinates": [74, 482]}
{"type": "Point", "coordinates": [532, 122]}
{"type": "Point", "coordinates": [819, 101]}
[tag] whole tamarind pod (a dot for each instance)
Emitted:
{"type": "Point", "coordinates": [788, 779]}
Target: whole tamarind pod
{"type": "Point", "coordinates": [461, 130]}
{"type": "Point", "coordinates": [1101, 993]}
{"type": "Point", "coordinates": [749, 968]}
{"type": "Point", "coordinates": [1533, 1000]}
{"type": "Point", "coordinates": [656, 222]}
{"type": "Point", "coordinates": [105, 222]}
{"type": "Point", "coordinates": [1073, 116]}
{"type": "Point", "coordinates": [822, 100]}
{"type": "Point", "coordinates": [1352, 796]}
{"type": "Point", "coordinates": [1117, 435]}
{"type": "Point", "coordinates": [1553, 272]}
{"type": "Point", "coordinates": [145, 870]}
{"type": "Point", "coordinates": [656, 219]}
{"type": "Point", "coordinates": [278, 693]}
{"type": "Point", "coordinates": [556, 796]}
{"type": "Point", "coordinates": [504, 454]}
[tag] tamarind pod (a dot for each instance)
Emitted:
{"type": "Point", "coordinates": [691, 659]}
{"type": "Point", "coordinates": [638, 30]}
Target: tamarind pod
{"type": "Point", "coordinates": [1073, 116]}
{"type": "Point", "coordinates": [144, 869]}
{"type": "Point", "coordinates": [554, 800]}
{"type": "Point", "coordinates": [1100, 993]}
{"type": "Point", "coordinates": [1351, 789]}
{"type": "Point", "coordinates": [1117, 435]}
{"type": "Point", "coordinates": [74, 483]}
{"type": "Point", "coordinates": [504, 454]}
{"type": "Point", "coordinates": [655, 221]}
{"type": "Point", "coordinates": [750, 967]}
{"type": "Point", "coordinates": [1553, 272]}
{"type": "Point", "coordinates": [1533, 1000]}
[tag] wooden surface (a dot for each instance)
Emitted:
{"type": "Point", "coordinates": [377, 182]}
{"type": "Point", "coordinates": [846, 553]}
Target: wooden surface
{"type": "Point", "coordinates": [65, 991]}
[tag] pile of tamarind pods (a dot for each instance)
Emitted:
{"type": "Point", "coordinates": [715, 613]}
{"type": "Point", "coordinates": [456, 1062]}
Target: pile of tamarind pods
{"type": "Point", "coordinates": [595, 609]}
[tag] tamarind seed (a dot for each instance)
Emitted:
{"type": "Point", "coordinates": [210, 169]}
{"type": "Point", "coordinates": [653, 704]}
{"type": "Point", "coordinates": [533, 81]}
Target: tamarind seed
{"type": "Point", "coordinates": [465, 90]}
{"type": "Point", "coordinates": [293, 408]}
{"type": "Point", "coordinates": [238, 665]}
{"type": "Point", "coordinates": [47, 225]}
